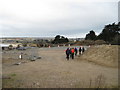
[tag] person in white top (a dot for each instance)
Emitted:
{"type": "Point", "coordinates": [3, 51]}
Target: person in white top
{"type": "Point", "coordinates": [20, 56]}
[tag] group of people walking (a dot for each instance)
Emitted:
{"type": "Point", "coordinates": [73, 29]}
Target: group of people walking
{"type": "Point", "coordinates": [71, 52]}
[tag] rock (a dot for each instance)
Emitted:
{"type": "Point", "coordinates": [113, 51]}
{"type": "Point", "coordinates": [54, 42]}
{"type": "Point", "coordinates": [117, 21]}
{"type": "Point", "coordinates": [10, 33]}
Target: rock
{"type": "Point", "coordinates": [24, 62]}
{"type": "Point", "coordinates": [38, 57]}
{"type": "Point", "coordinates": [36, 83]}
{"type": "Point", "coordinates": [17, 63]}
{"type": "Point", "coordinates": [32, 60]}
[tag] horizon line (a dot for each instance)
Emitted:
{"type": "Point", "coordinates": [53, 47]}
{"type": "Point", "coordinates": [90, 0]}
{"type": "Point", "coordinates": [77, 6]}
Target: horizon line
{"type": "Point", "coordinates": [36, 36]}
{"type": "Point", "coordinates": [33, 37]}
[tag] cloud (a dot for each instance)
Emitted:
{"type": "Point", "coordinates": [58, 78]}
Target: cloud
{"type": "Point", "coordinates": [51, 17]}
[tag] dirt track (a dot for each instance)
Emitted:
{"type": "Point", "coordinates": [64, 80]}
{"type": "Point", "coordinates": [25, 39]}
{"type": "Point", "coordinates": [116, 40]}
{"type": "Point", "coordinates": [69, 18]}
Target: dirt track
{"type": "Point", "coordinates": [54, 71]}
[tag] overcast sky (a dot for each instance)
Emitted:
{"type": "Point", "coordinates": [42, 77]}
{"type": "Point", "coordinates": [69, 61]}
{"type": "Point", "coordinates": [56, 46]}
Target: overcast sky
{"type": "Point", "coordinates": [48, 18]}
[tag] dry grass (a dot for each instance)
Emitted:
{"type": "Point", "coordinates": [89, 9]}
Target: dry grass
{"type": "Point", "coordinates": [106, 55]}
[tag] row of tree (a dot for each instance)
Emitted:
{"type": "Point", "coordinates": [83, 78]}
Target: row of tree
{"type": "Point", "coordinates": [110, 34]}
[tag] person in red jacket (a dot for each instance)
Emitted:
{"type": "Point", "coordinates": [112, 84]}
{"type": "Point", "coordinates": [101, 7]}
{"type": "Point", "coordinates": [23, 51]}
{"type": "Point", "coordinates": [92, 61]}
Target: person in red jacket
{"type": "Point", "coordinates": [72, 53]}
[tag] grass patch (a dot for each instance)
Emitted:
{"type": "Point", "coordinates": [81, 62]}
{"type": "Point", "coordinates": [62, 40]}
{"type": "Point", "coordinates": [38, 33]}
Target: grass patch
{"type": "Point", "coordinates": [10, 82]}
{"type": "Point", "coordinates": [98, 82]}
{"type": "Point", "coordinates": [13, 75]}
{"type": "Point", "coordinates": [7, 83]}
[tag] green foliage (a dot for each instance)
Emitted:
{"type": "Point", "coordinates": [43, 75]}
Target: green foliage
{"type": "Point", "coordinates": [25, 44]}
{"type": "Point", "coordinates": [60, 40]}
{"type": "Point", "coordinates": [110, 34]}
{"type": "Point", "coordinates": [10, 46]}
{"type": "Point", "coordinates": [116, 40]}
{"type": "Point", "coordinates": [90, 36]}
{"type": "Point", "coordinates": [13, 74]}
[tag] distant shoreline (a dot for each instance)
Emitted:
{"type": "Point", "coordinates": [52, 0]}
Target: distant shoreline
{"type": "Point", "coordinates": [32, 37]}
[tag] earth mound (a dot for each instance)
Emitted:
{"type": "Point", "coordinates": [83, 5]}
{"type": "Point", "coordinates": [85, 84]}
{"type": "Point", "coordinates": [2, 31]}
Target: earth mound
{"type": "Point", "coordinates": [106, 55]}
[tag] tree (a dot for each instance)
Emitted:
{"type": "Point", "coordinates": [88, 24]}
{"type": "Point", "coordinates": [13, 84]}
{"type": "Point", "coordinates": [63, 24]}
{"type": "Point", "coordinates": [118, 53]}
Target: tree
{"type": "Point", "coordinates": [60, 39]}
{"type": "Point", "coordinates": [10, 47]}
{"type": "Point", "coordinates": [25, 44]}
{"type": "Point", "coordinates": [116, 40]}
{"type": "Point", "coordinates": [109, 32]}
{"type": "Point", "coordinates": [90, 36]}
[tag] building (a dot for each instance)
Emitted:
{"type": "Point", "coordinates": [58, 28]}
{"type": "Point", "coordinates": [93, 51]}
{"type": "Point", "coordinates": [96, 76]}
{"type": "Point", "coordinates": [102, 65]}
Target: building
{"type": "Point", "coordinates": [4, 46]}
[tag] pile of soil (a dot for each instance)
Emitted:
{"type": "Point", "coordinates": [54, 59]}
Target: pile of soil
{"type": "Point", "coordinates": [106, 55]}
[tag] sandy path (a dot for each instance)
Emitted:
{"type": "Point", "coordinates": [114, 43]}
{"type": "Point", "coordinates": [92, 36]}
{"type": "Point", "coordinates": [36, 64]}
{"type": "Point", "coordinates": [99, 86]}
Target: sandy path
{"type": "Point", "coordinates": [53, 70]}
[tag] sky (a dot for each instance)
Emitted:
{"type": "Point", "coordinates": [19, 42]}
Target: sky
{"type": "Point", "coordinates": [48, 18]}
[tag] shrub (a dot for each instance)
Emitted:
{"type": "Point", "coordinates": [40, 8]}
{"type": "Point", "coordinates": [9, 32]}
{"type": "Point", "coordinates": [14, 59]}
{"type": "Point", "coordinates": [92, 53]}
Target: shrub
{"type": "Point", "coordinates": [100, 42]}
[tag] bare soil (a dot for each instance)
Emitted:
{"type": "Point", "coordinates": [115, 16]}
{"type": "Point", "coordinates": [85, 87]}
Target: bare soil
{"type": "Point", "coordinates": [54, 71]}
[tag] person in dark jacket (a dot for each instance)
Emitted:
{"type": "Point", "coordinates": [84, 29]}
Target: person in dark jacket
{"type": "Point", "coordinates": [80, 50]}
{"type": "Point", "coordinates": [76, 51]}
{"type": "Point", "coordinates": [68, 53]}
{"type": "Point", "coordinates": [83, 49]}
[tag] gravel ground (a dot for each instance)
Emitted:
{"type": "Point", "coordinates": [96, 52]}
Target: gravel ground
{"type": "Point", "coordinates": [54, 71]}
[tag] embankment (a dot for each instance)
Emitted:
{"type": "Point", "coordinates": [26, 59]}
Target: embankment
{"type": "Point", "coordinates": [106, 55]}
